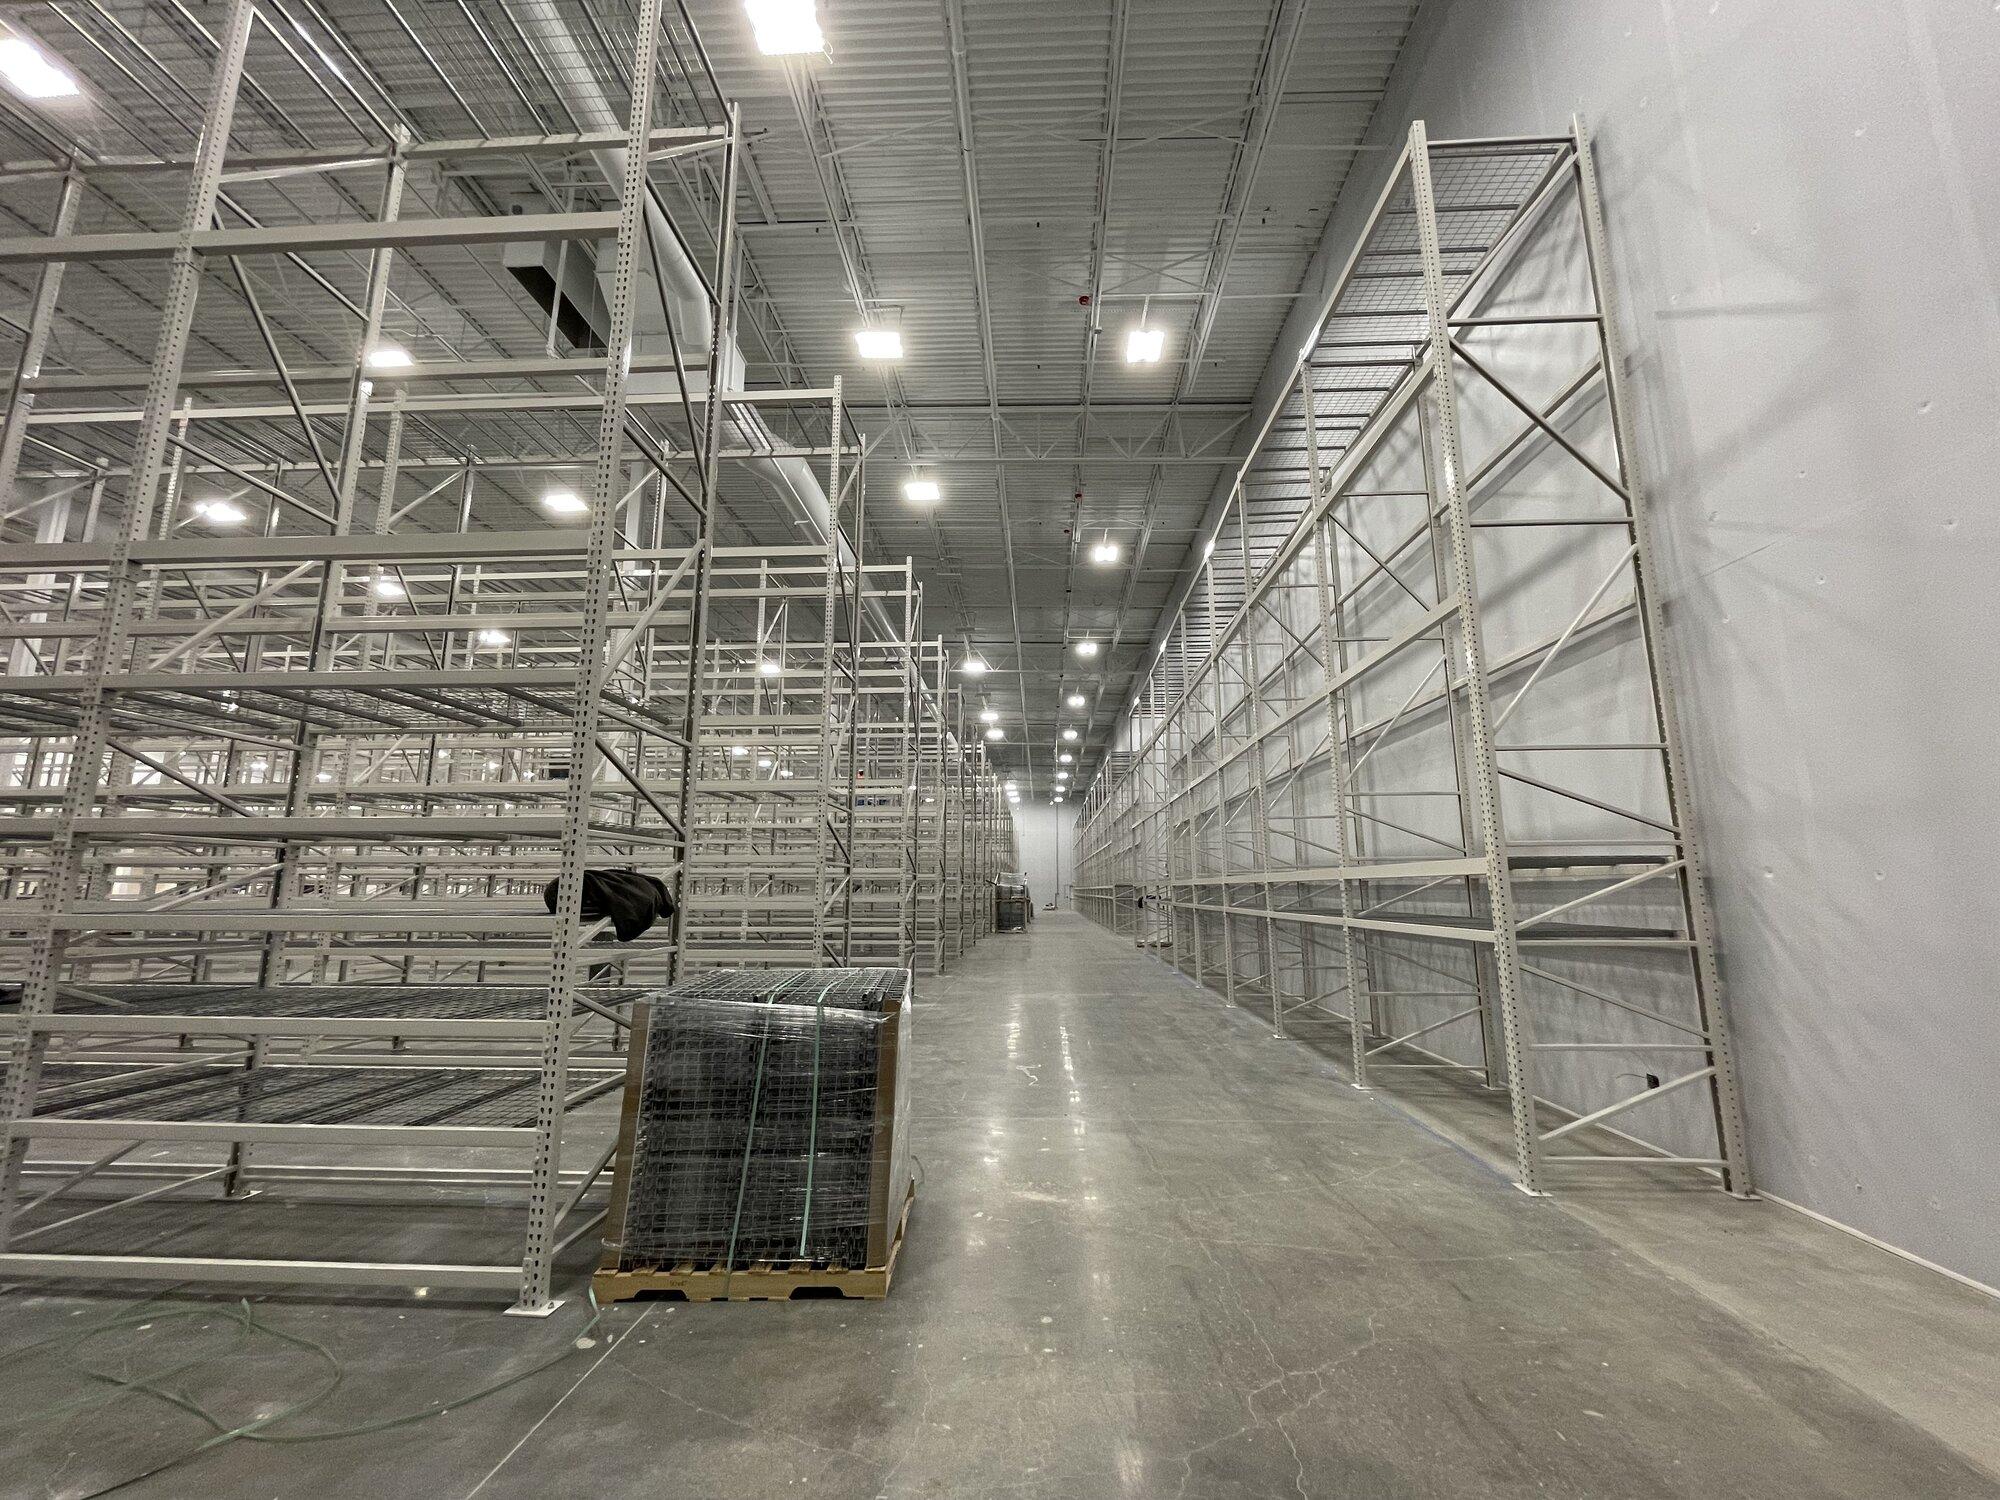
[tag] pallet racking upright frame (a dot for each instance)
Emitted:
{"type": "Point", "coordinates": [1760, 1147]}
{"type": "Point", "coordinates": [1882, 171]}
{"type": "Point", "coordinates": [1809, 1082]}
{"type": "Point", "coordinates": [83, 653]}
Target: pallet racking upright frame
{"type": "Point", "coordinates": [1439, 533]}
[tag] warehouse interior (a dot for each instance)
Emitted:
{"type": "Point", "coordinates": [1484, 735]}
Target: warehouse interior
{"type": "Point", "coordinates": [891, 748]}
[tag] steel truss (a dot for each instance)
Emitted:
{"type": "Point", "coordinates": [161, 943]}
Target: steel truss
{"type": "Point", "coordinates": [279, 795]}
{"type": "Point", "coordinates": [1408, 763]}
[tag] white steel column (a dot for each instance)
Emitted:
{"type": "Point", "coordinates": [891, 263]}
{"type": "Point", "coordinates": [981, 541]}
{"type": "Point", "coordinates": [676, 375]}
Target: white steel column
{"type": "Point", "coordinates": [565, 961]}
{"type": "Point", "coordinates": [1485, 776]}
{"type": "Point", "coordinates": [1333, 643]}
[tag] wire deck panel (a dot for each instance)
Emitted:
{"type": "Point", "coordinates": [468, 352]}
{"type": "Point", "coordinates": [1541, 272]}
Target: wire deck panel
{"type": "Point", "coordinates": [288, 1095]}
{"type": "Point", "coordinates": [331, 1001]}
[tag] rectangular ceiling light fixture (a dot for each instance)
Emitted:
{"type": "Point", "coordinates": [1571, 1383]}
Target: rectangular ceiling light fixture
{"type": "Point", "coordinates": [29, 72]}
{"type": "Point", "coordinates": [879, 343]}
{"type": "Point", "coordinates": [1144, 346]}
{"type": "Point", "coordinates": [921, 490]}
{"type": "Point", "coordinates": [221, 512]}
{"type": "Point", "coordinates": [785, 28]}
{"type": "Point", "coordinates": [564, 503]}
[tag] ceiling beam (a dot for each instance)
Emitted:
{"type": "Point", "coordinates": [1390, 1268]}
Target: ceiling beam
{"type": "Point", "coordinates": [1107, 162]}
{"type": "Point", "coordinates": [961, 89]}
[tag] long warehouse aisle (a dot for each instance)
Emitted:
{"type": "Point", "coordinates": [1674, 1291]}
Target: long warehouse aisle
{"type": "Point", "coordinates": [1156, 1252]}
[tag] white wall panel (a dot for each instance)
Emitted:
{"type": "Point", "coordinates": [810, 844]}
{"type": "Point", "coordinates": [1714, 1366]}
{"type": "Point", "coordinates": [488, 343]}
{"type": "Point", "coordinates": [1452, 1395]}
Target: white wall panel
{"type": "Point", "coordinates": [1045, 834]}
{"type": "Point", "coordinates": [1804, 215]}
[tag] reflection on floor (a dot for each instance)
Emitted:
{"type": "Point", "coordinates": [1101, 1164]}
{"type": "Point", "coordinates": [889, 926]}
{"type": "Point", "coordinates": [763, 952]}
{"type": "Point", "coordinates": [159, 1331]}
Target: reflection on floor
{"type": "Point", "coordinates": [1157, 1252]}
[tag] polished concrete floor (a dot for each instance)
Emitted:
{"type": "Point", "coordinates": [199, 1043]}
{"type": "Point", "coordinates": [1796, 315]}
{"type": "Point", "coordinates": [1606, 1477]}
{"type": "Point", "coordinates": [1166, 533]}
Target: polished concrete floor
{"type": "Point", "coordinates": [1157, 1252]}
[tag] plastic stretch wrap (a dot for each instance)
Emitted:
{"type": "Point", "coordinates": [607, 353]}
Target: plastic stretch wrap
{"type": "Point", "coordinates": [764, 1121]}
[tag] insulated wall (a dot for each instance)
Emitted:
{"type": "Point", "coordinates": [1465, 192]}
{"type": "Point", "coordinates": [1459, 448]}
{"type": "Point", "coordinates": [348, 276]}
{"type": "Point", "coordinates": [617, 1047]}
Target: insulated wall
{"type": "Point", "coordinates": [1045, 834]}
{"type": "Point", "coordinates": [1803, 214]}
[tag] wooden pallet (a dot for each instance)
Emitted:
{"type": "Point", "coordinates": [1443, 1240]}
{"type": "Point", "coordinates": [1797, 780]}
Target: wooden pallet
{"type": "Point", "coordinates": [767, 1281]}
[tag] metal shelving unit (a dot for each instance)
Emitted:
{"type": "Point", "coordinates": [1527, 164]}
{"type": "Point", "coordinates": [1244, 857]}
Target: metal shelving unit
{"type": "Point", "coordinates": [1407, 764]}
{"type": "Point", "coordinates": [1122, 837]}
{"type": "Point", "coordinates": [801, 802]}
{"type": "Point", "coordinates": [344, 745]}
{"type": "Point", "coordinates": [361, 610]}
{"type": "Point", "coordinates": [937, 751]}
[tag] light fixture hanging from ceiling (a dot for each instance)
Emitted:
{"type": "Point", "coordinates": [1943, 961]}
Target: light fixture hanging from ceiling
{"type": "Point", "coordinates": [221, 512]}
{"type": "Point", "coordinates": [30, 72]}
{"type": "Point", "coordinates": [785, 28]}
{"type": "Point", "coordinates": [1145, 344]}
{"type": "Point", "coordinates": [879, 343]}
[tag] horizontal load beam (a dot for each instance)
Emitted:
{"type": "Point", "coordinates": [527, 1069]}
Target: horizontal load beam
{"type": "Point", "coordinates": [395, 1136]}
{"type": "Point", "coordinates": [194, 920]}
{"type": "Point", "coordinates": [260, 551]}
{"type": "Point", "coordinates": [566, 143]}
{"type": "Point", "coordinates": [363, 828]}
{"type": "Point", "coordinates": [410, 1028]}
{"type": "Point", "coordinates": [520, 368]}
{"type": "Point", "coordinates": [259, 1272]}
{"type": "Point", "coordinates": [295, 239]}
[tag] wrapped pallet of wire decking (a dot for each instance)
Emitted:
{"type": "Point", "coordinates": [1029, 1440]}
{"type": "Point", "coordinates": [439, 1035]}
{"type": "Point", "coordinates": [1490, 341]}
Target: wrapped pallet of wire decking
{"type": "Point", "coordinates": [763, 1148]}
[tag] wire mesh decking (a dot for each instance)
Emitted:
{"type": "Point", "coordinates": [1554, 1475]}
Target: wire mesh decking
{"type": "Point", "coordinates": [1407, 765]}
{"type": "Point", "coordinates": [287, 1094]}
{"type": "Point", "coordinates": [765, 1122]}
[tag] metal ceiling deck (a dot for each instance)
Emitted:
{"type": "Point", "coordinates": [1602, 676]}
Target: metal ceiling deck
{"type": "Point", "coordinates": [1175, 160]}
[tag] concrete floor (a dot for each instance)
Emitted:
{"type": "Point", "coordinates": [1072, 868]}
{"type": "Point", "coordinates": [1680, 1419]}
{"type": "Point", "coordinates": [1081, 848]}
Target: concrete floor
{"type": "Point", "coordinates": [1157, 1252]}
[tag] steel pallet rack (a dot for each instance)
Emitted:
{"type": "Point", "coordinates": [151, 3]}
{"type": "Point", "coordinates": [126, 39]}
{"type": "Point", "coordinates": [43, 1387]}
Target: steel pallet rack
{"type": "Point", "coordinates": [994, 852]}
{"type": "Point", "coordinates": [980, 842]}
{"type": "Point", "coordinates": [955, 799]}
{"type": "Point", "coordinates": [1408, 762]}
{"type": "Point", "coordinates": [805, 703]}
{"type": "Point", "coordinates": [937, 750]}
{"type": "Point", "coordinates": [882, 915]}
{"type": "Point", "coordinates": [310, 687]}
{"type": "Point", "coordinates": [1122, 866]}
